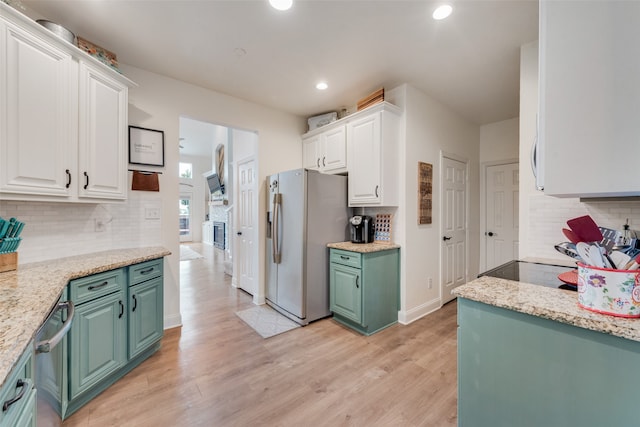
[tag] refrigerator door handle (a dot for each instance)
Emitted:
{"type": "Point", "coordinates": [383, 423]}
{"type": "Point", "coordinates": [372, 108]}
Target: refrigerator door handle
{"type": "Point", "coordinates": [275, 226]}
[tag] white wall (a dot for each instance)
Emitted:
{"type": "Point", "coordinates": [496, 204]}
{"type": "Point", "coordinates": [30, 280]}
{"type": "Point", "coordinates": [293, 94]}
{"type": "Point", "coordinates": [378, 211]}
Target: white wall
{"type": "Point", "coordinates": [543, 217]}
{"type": "Point", "coordinates": [429, 129]}
{"type": "Point", "coordinates": [499, 140]}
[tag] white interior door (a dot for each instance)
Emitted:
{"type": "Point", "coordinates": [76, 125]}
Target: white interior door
{"type": "Point", "coordinates": [454, 226]}
{"type": "Point", "coordinates": [184, 206]}
{"type": "Point", "coordinates": [247, 239]}
{"type": "Point", "coordinates": [501, 236]}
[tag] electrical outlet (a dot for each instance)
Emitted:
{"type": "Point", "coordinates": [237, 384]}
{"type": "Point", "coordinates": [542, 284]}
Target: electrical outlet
{"type": "Point", "coordinates": [430, 283]}
{"type": "Point", "coordinates": [152, 213]}
{"type": "Point", "coordinates": [99, 225]}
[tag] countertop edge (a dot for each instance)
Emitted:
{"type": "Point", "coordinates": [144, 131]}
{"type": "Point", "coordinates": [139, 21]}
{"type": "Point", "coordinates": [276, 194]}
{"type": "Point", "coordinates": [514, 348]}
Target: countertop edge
{"type": "Point", "coordinates": [547, 303]}
{"type": "Point", "coordinates": [363, 248]}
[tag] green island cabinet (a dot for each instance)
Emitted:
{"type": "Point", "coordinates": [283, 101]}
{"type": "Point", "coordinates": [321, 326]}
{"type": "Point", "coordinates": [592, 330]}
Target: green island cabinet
{"type": "Point", "coordinates": [516, 369]}
{"type": "Point", "coordinates": [364, 288]}
{"type": "Point", "coordinates": [118, 323]}
{"type": "Point", "coordinates": [17, 395]}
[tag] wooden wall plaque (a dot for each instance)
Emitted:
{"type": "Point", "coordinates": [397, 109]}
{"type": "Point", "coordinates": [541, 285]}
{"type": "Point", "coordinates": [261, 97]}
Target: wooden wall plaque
{"type": "Point", "coordinates": [425, 192]}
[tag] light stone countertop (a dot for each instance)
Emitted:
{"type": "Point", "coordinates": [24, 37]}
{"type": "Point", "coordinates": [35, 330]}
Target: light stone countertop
{"type": "Point", "coordinates": [548, 303]}
{"type": "Point", "coordinates": [363, 248]}
{"type": "Point", "coordinates": [28, 294]}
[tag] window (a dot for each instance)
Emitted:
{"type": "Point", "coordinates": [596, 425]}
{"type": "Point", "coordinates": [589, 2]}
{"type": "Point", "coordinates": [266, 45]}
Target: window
{"type": "Point", "coordinates": [186, 170]}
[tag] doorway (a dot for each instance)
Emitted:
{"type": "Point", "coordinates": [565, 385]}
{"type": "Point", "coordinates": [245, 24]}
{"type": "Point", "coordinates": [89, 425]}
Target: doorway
{"type": "Point", "coordinates": [184, 206]}
{"type": "Point", "coordinates": [453, 176]}
{"type": "Point", "coordinates": [501, 213]}
{"type": "Point", "coordinates": [247, 230]}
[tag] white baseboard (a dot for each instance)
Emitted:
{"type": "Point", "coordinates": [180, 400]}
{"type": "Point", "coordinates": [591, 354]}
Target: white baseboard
{"type": "Point", "coordinates": [234, 281]}
{"type": "Point", "coordinates": [406, 317]}
{"type": "Point", "coordinates": [172, 321]}
{"type": "Point", "coordinates": [259, 300]}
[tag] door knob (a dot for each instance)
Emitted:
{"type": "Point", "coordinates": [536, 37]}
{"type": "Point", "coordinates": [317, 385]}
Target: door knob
{"type": "Point", "coordinates": [445, 238]}
{"type": "Point", "coordinates": [490, 233]}
{"type": "Point", "coordinates": [239, 233]}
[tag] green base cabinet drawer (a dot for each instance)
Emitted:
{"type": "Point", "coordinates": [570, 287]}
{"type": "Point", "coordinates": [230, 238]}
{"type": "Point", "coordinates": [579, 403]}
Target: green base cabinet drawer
{"type": "Point", "coordinates": [92, 287]}
{"type": "Point", "coordinates": [144, 271]}
{"type": "Point", "coordinates": [352, 259]}
{"type": "Point", "coordinates": [97, 342]}
{"type": "Point", "coordinates": [145, 315]}
{"type": "Point", "coordinates": [27, 418]}
{"type": "Point", "coordinates": [17, 390]}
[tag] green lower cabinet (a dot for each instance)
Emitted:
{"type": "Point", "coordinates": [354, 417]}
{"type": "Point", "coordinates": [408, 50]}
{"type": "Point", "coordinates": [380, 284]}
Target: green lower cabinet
{"type": "Point", "coordinates": [29, 413]}
{"type": "Point", "coordinates": [98, 342]}
{"type": "Point", "coordinates": [520, 370]}
{"type": "Point", "coordinates": [364, 298]}
{"type": "Point", "coordinates": [145, 315]}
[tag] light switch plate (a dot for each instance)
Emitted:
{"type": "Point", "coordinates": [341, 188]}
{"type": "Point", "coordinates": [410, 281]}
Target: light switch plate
{"type": "Point", "coordinates": [152, 213]}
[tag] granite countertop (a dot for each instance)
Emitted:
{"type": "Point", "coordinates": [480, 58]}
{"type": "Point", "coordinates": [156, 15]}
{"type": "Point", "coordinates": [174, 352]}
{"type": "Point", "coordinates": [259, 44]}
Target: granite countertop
{"type": "Point", "coordinates": [549, 303]}
{"type": "Point", "coordinates": [28, 294]}
{"type": "Point", "coordinates": [363, 248]}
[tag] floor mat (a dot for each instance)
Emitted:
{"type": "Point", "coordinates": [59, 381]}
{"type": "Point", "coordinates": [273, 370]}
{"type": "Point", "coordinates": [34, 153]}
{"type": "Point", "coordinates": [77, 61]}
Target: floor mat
{"type": "Point", "coordinates": [186, 254]}
{"type": "Point", "coordinates": [266, 321]}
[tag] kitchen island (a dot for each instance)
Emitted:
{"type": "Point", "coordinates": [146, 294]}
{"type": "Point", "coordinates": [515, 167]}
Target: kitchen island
{"type": "Point", "coordinates": [28, 294]}
{"type": "Point", "coordinates": [529, 356]}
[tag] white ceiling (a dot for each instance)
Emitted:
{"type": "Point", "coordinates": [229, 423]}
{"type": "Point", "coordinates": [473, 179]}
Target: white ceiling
{"type": "Point", "coordinates": [469, 61]}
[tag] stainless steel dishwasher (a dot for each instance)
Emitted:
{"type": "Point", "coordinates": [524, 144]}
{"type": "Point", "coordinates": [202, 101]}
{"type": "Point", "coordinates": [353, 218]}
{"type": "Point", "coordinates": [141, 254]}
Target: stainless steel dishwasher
{"type": "Point", "coordinates": [50, 365]}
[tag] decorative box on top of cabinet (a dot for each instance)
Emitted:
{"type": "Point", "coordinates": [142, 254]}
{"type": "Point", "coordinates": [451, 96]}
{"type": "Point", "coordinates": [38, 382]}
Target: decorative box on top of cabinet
{"type": "Point", "coordinates": [588, 123]}
{"type": "Point", "coordinates": [325, 150]}
{"type": "Point", "coordinates": [63, 118]}
{"type": "Point", "coordinates": [364, 287]}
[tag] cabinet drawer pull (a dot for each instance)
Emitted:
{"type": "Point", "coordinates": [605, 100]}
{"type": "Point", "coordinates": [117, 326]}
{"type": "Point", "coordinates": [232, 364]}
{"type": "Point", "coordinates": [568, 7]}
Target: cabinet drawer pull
{"type": "Point", "coordinates": [86, 182]}
{"type": "Point", "coordinates": [23, 389]}
{"type": "Point", "coordinates": [121, 310]}
{"type": "Point", "coordinates": [68, 178]}
{"type": "Point", "coordinates": [323, 164]}
{"type": "Point", "coordinates": [135, 303]}
{"type": "Point", "coordinates": [318, 161]}
{"type": "Point", "coordinates": [101, 285]}
{"type": "Point", "coordinates": [377, 190]}
{"type": "Point", "coordinates": [146, 270]}
{"type": "Point", "coordinates": [345, 257]}
{"type": "Point", "coordinates": [358, 282]}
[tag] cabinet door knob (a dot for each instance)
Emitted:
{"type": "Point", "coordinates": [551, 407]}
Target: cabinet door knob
{"type": "Point", "coordinates": [377, 190]}
{"type": "Point", "coordinates": [23, 388]}
{"type": "Point", "coordinates": [121, 310]}
{"type": "Point", "coordinates": [68, 178]}
{"type": "Point", "coordinates": [323, 164]}
{"type": "Point", "coordinates": [135, 303]}
{"type": "Point", "coordinates": [357, 281]}
{"type": "Point", "coordinates": [86, 182]}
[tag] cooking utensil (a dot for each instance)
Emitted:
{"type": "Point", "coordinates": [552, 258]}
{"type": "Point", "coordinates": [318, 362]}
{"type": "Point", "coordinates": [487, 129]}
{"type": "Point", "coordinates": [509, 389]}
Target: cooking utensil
{"type": "Point", "coordinates": [568, 249]}
{"type": "Point", "coordinates": [590, 254]}
{"type": "Point", "coordinates": [585, 228]}
{"type": "Point", "coordinates": [573, 238]}
{"type": "Point", "coordinates": [569, 277]}
{"type": "Point", "coordinates": [5, 227]}
{"type": "Point", "coordinates": [620, 259]}
{"type": "Point", "coordinates": [633, 264]}
{"type": "Point", "coordinates": [58, 30]}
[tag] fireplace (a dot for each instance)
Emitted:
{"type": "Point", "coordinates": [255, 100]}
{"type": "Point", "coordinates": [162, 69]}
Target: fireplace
{"type": "Point", "coordinates": [218, 234]}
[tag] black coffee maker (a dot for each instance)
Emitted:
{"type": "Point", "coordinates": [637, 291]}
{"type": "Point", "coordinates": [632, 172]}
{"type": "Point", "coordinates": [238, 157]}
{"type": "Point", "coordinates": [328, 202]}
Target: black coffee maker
{"type": "Point", "coordinates": [362, 229]}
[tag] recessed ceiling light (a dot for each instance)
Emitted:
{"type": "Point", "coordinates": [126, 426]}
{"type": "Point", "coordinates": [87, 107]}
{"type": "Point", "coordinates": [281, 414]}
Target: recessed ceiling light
{"type": "Point", "coordinates": [442, 12]}
{"type": "Point", "coordinates": [281, 4]}
{"type": "Point", "coordinates": [322, 86]}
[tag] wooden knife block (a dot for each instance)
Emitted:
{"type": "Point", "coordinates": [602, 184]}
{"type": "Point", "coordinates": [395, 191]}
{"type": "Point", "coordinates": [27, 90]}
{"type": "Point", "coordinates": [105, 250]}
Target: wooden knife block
{"type": "Point", "coordinates": [8, 262]}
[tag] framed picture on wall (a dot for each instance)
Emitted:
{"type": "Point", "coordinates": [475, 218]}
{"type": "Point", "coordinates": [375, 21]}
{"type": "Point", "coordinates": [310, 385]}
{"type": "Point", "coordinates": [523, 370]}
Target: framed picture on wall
{"type": "Point", "coordinates": [146, 146]}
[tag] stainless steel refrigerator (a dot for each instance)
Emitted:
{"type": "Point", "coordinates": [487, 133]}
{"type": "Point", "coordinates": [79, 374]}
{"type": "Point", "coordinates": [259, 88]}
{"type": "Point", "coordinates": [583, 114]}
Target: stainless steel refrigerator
{"type": "Point", "coordinates": [306, 210]}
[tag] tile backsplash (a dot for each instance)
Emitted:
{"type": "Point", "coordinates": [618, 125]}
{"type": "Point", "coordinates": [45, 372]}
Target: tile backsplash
{"type": "Point", "coordinates": [54, 230]}
{"type": "Point", "coordinates": [548, 215]}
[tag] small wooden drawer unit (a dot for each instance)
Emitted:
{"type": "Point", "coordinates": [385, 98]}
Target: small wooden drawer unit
{"type": "Point", "coordinates": [144, 271]}
{"type": "Point", "coordinates": [97, 285]}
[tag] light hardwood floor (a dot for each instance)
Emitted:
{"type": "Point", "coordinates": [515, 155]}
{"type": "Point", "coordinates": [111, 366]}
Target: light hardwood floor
{"type": "Point", "coordinates": [216, 371]}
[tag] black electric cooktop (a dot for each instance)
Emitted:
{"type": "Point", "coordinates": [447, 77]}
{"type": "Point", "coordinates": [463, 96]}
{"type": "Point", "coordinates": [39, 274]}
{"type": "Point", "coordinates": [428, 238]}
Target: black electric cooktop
{"type": "Point", "coordinates": [531, 272]}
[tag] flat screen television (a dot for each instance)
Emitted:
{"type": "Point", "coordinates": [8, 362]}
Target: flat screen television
{"type": "Point", "coordinates": [214, 183]}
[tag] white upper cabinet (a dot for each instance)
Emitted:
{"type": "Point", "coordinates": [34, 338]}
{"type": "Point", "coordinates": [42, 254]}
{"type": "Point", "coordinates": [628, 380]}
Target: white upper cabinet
{"type": "Point", "coordinates": [326, 151]}
{"type": "Point", "coordinates": [36, 109]}
{"type": "Point", "coordinates": [589, 129]}
{"type": "Point", "coordinates": [372, 141]}
{"type": "Point", "coordinates": [102, 135]}
{"type": "Point", "coordinates": [63, 118]}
